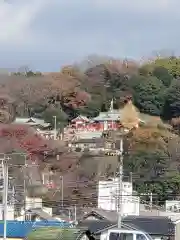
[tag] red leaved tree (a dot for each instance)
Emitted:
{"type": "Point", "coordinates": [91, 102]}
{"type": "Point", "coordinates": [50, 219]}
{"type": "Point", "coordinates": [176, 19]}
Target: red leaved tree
{"type": "Point", "coordinates": [26, 139]}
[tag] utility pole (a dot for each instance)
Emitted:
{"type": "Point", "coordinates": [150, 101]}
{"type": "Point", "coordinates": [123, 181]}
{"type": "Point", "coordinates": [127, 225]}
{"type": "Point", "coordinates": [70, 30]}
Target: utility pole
{"type": "Point", "coordinates": [131, 177]}
{"type": "Point", "coordinates": [5, 193]}
{"type": "Point", "coordinates": [69, 214]}
{"type": "Point", "coordinates": [62, 191]}
{"type": "Point", "coordinates": [24, 188]}
{"type": "Point", "coordinates": [75, 214]}
{"type": "Point", "coordinates": [120, 184]}
{"type": "Point", "coordinates": [151, 200]}
{"type": "Point", "coordinates": [55, 127]}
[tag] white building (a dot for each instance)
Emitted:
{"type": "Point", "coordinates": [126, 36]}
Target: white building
{"type": "Point", "coordinates": [33, 203]}
{"type": "Point", "coordinates": [108, 197]}
{"type": "Point", "coordinates": [34, 206]}
{"type": "Point", "coordinates": [173, 206]}
{"type": "Point", "coordinates": [10, 212]}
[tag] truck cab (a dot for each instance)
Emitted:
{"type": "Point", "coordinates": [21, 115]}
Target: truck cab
{"type": "Point", "coordinates": [122, 234]}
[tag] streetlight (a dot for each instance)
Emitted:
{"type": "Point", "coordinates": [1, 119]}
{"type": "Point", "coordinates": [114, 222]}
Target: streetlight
{"type": "Point", "coordinates": [55, 127]}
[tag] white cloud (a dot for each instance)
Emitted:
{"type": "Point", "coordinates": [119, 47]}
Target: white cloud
{"type": "Point", "coordinates": [48, 33]}
{"type": "Point", "coordinates": [16, 18]}
{"type": "Point", "coordinates": [137, 6]}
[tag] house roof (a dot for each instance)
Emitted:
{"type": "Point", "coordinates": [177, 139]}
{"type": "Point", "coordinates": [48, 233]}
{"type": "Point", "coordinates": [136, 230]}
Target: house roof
{"type": "Point", "coordinates": [88, 135]}
{"type": "Point", "coordinates": [102, 215]}
{"type": "Point", "coordinates": [97, 227]}
{"type": "Point", "coordinates": [107, 116]}
{"type": "Point", "coordinates": [90, 140]}
{"type": "Point", "coordinates": [42, 214]}
{"type": "Point", "coordinates": [31, 121]}
{"type": "Point", "coordinates": [66, 213]}
{"type": "Point", "coordinates": [94, 226]}
{"type": "Point", "coordinates": [80, 118]}
{"type": "Point", "coordinates": [149, 224]}
{"type": "Point", "coordinates": [146, 223]}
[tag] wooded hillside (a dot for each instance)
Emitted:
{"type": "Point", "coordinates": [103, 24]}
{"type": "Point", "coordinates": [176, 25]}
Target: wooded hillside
{"type": "Point", "coordinates": [152, 151]}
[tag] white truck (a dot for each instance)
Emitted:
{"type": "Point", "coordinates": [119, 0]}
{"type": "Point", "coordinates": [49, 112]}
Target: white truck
{"type": "Point", "coordinates": [122, 234]}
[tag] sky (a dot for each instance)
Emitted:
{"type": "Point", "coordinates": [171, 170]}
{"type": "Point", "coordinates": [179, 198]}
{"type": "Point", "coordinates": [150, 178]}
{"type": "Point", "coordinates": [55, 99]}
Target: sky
{"type": "Point", "coordinates": [48, 34]}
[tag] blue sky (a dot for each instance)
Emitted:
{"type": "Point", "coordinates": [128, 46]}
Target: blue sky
{"type": "Point", "coordinates": [46, 34]}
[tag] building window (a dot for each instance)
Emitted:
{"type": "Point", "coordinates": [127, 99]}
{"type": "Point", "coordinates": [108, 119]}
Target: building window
{"type": "Point", "coordinates": [126, 236]}
{"type": "Point", "coordinates": [140, 237]}
{"type": "Point", "coordinates": [120, 236]}
{"type": "Point", "coordinates": [28, 217]}
{"type": "Point", "coordinates": [114, 236]}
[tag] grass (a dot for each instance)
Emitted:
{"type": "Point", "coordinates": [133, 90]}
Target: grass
{"type": "Point", "coordinates": [51, 233]}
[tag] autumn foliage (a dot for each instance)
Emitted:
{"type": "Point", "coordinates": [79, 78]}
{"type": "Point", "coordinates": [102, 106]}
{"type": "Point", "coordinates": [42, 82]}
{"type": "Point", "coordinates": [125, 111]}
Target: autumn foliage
{"type": "Point", "coordinates": [154, 88]}
{"type": "Point", "coordinates": [129, 116]}
{"type": "Point", "coordinates": [25, 139]}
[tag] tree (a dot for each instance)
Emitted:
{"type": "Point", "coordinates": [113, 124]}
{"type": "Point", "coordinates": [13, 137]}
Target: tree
{"type": "Point", "coordinates": [129, 116]}
{"type": "Point", "coordinates": [148, 169]}
{"type": "Point", "coordinates": [26, 139]}
{"type": "Point", "coordinates": [150, 161]}
{"type": "Point", "coordinates": [37, 190]}
{"type": "Point", "coordinates": [172, 64]}
{"type": "Point", "coordinates": [175, 122]}
{"type": "Point", "coordinates": [145, 70]}
{"type": "Point", "coordinates": [119, 84]}
{"type": "Point", "coordinates": [61, 117]}
{"type": "Point", "coordinates": [110, 80]}
{"type": "Point", "coordinates": [7, 109]}
{"type": "Point", "coordinates": [92, 109]}
{"type": "Point", "coordinates": [162, 74]}
{"type": "Point", "coordinates": [65, 85]}
{"type": "Point", "coordinates": [148, 96]}
{"type": "Point", "coordinates": [172, 101]}
{"type": "Point", "coordinates": [174, 186]}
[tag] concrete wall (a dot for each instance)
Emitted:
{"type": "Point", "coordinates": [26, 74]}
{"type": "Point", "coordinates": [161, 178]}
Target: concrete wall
{"type": "Point", "coordinates": [177, 231]}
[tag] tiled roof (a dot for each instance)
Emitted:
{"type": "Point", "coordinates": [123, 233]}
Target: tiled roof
{"type": "Point", "coordinates": [89, 135]}
{"type": "Point", "coordinates": [107, 116]}
{"type": "Point", "coordinates": [42, 214]}
{"type": "Point", "coordinates": [31, 121]}
{"type": "Point", "coordinates": [145, 223]}
{"type": "Point", "coordinates": [97, 227]}
{"type": "Point", "coordinates": [80, 117]}
{"type": "Point", "coordinates": [90, 140]}
{"type": "Point", "coordinates": [21, 120]}
{"type": "Point", "coordinates": [103, 214]}
{"type": "Point", "coordinates": [94, 226]}
{"type": "Point", "coordinates": [114, 115]}
{"type": "Point", "coordinates": [152, 225]}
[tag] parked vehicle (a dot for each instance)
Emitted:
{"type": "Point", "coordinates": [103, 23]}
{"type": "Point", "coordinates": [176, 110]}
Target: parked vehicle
{"type": "Point", "coordinates": [122, 234]}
